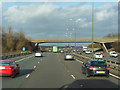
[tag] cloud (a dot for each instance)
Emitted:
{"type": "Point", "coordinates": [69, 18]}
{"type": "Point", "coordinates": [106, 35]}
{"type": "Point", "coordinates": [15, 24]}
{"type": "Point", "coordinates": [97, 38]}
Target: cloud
{"type": "Point", "coordinates": [49, 20]}
{"type": "Point", "coordinates": [105, 12]}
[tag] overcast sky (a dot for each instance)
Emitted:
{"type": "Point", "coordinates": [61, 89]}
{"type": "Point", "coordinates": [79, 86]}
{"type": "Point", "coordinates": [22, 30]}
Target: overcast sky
{"type": "Point", "coordinates": [52, 20]}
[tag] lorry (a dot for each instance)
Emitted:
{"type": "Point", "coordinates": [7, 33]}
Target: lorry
{"type": "Point", "coordinates": [55, 49]}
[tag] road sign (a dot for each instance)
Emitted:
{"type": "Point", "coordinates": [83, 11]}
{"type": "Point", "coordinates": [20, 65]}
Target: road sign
{"type": "Point", "coordinates": [23, 49]}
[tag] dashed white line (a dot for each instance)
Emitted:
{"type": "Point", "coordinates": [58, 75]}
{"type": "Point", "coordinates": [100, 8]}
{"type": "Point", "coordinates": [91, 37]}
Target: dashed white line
{"type": "Point", "coordinates": [79, 61]}
{"type": "Point", "coordinates": [24, 58]}
{"type": "Point", "coordinates": [114, 76]}
{"type": "Point", "coordinates": [27, 75]}
{"type": "Point", "coordinates": [34, 66]}
{"type": "Point", "coordinates": [72, 76]}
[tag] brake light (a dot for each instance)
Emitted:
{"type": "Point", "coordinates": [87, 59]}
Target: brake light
{"type": "Point", "coordinates": [107, 68]}
{"type": "Point", "coordinates": [90, 67]}
{"type": "Point", "coordinates": [11, 68]}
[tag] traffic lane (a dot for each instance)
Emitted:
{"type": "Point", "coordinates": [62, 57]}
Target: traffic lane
{"type": "Point", "coordinates": [72, 66]}
{"type": "Point", "coordinates": [26, 67]}
{"type": "Point", "coordinates": [91, 83]}
{"type": "Point", "coordinates": [50, 73]}
{"type": "Point", "coordinates": [75, 69]}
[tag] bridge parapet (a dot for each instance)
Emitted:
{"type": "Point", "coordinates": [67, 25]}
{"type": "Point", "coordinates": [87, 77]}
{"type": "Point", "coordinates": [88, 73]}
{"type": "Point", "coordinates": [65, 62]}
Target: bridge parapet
{"type": "Point", "coordinates": [101, 40]}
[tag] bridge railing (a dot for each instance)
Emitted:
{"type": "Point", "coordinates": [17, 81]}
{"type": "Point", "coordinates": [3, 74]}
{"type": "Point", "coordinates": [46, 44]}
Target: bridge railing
{"type": "Point", "coordinates": [113, 65]}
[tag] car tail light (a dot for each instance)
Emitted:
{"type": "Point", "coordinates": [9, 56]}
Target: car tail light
{"type": "Point", "coordinates": [90, 67]}
{"type": "Point", "coordinates": [11, 68]}
{"type": "Point", "coordinates": [107, 68]}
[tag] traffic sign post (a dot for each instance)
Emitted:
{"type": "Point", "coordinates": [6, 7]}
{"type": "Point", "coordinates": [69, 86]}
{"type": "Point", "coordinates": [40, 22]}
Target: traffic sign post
{"type": "Point", "coordinates": [23, 48]}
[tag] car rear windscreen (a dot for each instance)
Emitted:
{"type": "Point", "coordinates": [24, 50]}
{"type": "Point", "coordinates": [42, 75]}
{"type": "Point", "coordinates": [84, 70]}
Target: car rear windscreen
{"type": "Point", "coordinates": [98, 63]}
{"type": "Point", "coordinates": [4, 63]}
{"type": "Point", "coordinates": [69, 54]}
{"type": "Point", "coordinates": [98, 54]}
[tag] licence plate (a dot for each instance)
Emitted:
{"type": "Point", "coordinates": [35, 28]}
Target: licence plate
{"type": "Point", "coordinates": [100, 71]}
{"type": "Point", "coordinates": [2, 67]}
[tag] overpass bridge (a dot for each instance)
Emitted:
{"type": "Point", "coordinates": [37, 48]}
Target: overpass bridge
{"type": "Point", "coordinates": [104, 42]}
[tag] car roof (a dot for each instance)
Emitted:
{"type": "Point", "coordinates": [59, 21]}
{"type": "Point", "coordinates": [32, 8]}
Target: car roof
{"type": "Point", "coordinates": [6, 60]}
{"type": "Point", "coordinates": [96, 60]}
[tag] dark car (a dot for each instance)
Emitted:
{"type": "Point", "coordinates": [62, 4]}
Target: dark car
{"type": "Point", "coordinates": [95, 67]}
{"type": "Point", "coordinates": [69, 56]}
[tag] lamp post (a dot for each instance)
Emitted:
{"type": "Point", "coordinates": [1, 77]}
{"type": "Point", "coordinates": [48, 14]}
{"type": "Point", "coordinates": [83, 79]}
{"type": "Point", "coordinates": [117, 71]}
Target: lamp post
{"type": "Point", "coordinates": [74, 28]}
{"type": "Point", "coordinates": [77, 20]}
{"type": "Point", "coordinates": [92, 27]}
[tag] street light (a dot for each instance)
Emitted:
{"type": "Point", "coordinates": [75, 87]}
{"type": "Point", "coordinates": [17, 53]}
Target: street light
{"type": "Point", "coordinates": [74, 25]}
{"type": "Point", "coordinates": [77, 20]}
{"type": "Point", "coordinates": [92, 27]}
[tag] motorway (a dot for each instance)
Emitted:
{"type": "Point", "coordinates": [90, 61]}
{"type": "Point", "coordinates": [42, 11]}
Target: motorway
{"type": "Point", "coordinates": [52, 71]}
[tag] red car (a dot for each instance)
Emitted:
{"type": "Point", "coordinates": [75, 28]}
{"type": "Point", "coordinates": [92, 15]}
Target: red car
{"type": "Point", "coordinates": [9, 68]}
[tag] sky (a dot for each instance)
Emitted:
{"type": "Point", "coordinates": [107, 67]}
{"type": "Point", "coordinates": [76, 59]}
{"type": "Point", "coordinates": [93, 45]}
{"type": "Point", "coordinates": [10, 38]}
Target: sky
{"type": "Point", "coordinates": [45, 20]}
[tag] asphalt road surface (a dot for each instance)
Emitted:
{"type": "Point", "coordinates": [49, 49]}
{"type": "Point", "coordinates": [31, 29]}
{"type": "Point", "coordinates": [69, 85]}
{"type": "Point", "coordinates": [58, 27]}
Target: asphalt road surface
{"type": "Point", "coordinates": [52, 71]}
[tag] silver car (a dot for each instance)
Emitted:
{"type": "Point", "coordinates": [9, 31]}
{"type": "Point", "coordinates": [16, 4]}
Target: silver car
{"type": "Point", "coordinates": [69, 56]}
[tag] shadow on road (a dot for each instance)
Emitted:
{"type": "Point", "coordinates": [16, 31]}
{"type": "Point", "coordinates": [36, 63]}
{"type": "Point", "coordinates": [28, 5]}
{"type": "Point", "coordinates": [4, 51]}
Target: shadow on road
{"type": "Point", "coordinates": [90, 83]}
{"type": "Point", "coordinates": [25, 72]}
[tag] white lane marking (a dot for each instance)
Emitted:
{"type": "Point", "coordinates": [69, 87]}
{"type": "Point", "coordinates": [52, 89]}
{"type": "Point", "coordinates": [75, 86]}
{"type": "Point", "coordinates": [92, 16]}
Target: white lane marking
{"type": "Point", "coordinates": [27, 75]}
{"type": "Point", "coordinates": [114, 76]}
{"type": "Point", "coordinates": [38, 62]}
{"type": "Point", "coordinates": [109, 73]}
{"type": "Point", "coordinates": [34, 66]}
{"type": "Point", "coordinates": [79, 61]}
{"type": "Point", "coordinates": [23, 59]}
{"type": "Point", "coordinates": [72, 76]}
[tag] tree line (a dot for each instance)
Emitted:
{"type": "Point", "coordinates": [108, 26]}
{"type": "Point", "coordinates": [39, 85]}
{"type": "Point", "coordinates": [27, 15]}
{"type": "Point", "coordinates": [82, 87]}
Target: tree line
{"type": "Point", "coordinates": [15, 41]}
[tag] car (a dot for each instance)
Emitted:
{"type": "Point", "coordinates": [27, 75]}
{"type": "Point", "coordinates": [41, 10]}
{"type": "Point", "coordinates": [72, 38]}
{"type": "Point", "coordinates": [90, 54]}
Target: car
{"type": "Point", "coordinates": [38, 54]}
{"type": "Point", "coordinates": [69, 56]}
{"type": "Point", "coordinates": [95, 67]}
{"type": "Point", "coordinates": [62, 51]}
{"type": "Point", "coordinates": [50, 50]}
{"type": "Point", "coordinates": [98, 55]}
{"type": "Point", "coordinates": [113, 54]}
{"type": "Point", "coordinates": [88, 51]}
{"type": "Point", "coordinates": [74, 50]}
{"type": "Point", "coordinates": [79, 52]}
{"type": "Point", "coordinates": [9, 68]}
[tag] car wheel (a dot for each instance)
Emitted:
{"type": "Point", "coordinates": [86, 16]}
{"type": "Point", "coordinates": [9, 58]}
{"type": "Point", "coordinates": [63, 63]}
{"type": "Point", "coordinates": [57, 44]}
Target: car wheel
{"type": "Point", "coordinates": [107, 75]}
{"type": "Point", "coordinates": [18, 72]}
{"type": "Point", "coordinates": [87, 74]}
{"type": "Point", "coordinates": [13, 75]}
